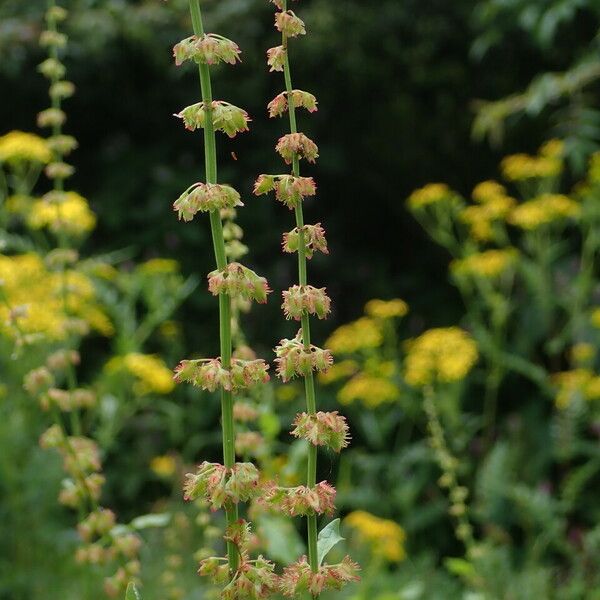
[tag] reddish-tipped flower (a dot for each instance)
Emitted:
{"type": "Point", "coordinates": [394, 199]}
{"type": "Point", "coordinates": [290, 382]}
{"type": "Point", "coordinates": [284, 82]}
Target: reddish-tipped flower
{"type": "Point", "coordinates": [237, 280]}
{"type": "Point", "coordinates": [313, 238]}
{"type": "Point", "coordinates": [207, 49]}
{"type": "Point", "coordinates": [209, 373]}
{"type": "Point", "coordinates": [299, 99]}
{"type": "Point", "coordinates": [297, 144]}
{"type": "Point", "coordinates": [276, 58]}
{"type": "Point", "coordinates": [302, 500]}
{"type": "Point", "coordinates": [292, 358]}
{"type": "Point", "coordinates": [225, 117]}
{"type": "Point", "coordinates": [301, 299]}
{"type": "Point", "coordinates": [218, 484]}
{"type": "Point", "coordinates": [205, 197]}
{"type": "Point", "coordinates": [323, 429]}
{"type": "Point", "coordinates": [299, 578]}
{"type": "Point", "coordinates": [289, 190]}
{"type": "Point", "coordinates": [289, 24]}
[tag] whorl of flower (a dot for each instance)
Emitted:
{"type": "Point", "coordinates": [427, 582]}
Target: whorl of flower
{"type": "Point", "coordinates": [314, 240]}
{"type": "Point", "coordinates": [225, 117]}
{"type": "Point", "coordinates": [279, 104]}
{"type": "Point", "coordinates": [236, 280]}
{"type": "Point", "coordinates": [51, 117]}
{"type": "Point", "coordinates": [385, 537]}
{"type": "Point", "coordinates": [489, 264]}
{"type": "Point", "coordinates": [244, 412]}
{"type": "Point", "coordinates": [289, 190]}
{"type": "Point", "coordinates": [292, 358]}
{"type": "Point", "coordinates": [386, 309]}
{"type": "Point", "coordinates": [249, 443]}
{"type": "Point", "coordinates": [289, 24]}
{"type": "Point", "coordinates": [62, 144]}
{"type": "Point", "coordinates": [276, 58]}
{"type": "Point", "coordinates": [85, 456]}
{"type": "Point", "coordinates": [73, 493]}
{"type": "Point", "coordinates": [209, 373]}
{"type": "Point", "coordinates": [96, 524]}
{"type": "Point", "coordinates": [302, 299]}
{"type": "Point", "coordinates": [301, 500]}
{"type": "Point", "coordinates": [52, 68]}
{"type": "Point", "coordinates": [59, 170]}
{"type": "Point", "coordinates": [442, 354]}
{"type": "Point", "coordinates": [544, 210]}
{"type": "Point", "coordinates": [62, 89]}
{"type": "Point", "coordinates": [299, 578]}
{"type": "Point", "coordinates": [54, 39]}
{"type": "Point", "coordinates": [296, 144]}
{"type": "Point", "coordinates": [219, 485]}
{"type": "Point", "coordinates": [17, 146]}
{"type": "Point", "coordinates": [208, 49]}
{"type": "Point", "coordinates": [38, 380]}
{"type": "Point", "coordinates": [205, 197]}
{"type": "Point", "coordinates": [323, 429]}
{"type": "Point", "coordinates": [68, 400]}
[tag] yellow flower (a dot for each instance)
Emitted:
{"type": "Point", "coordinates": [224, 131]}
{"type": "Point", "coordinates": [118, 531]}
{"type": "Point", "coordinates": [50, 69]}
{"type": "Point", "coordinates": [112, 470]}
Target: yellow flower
{"type": "Point", "coordinates": [430, 194]}
{"type": "Point", "coordinates": [487, 190]}
{"type": "Point", "coordinates": [163, 466]}
{"type": "Point", "coordinates": [48, 300]}
{"type": "Point", "coordinates": [519, 167]}
{"type": "Point", "coordinates": [358, 335]}
{"type": "Point", "coordinates": [18, 204]}
{"type": "Point", "coordinates": [480, 217]}
{"type": "Point", "coordinates": [104, 271]}
{"type": "Point", "coordinates": [445, 354]}
{"type": "Point", "coordinates": [488, 264]}
{"type": "Point", "coordinates": [386, 309]}
{"type": "Point", "coordinates": [371, 390]}
{"type": "Point", "coordinates": [595, 317]}
{"type": "Point", "coordinates": [169, 329]}
{"type": "Point", "coordinates": [594, 168]}
{"type": "Point", "coordinates": [574, 383]}
{"type": "Point", "coordinates": [17, 146]}
{"type": "Point", "coordinates": [553, 148]}
{"type": "Point", "coordinates": [582, 352]}
{"type": "Point", "coordinates": [159, 266]}
{"type": "Point", "coordinates": [151, 373]}
{"type": "Point", "coordinates": [543, 210]}
{"type": "Point", "coordinates": [385, 537]}
{"type": "Point", "coordinates": [337, 371]}
{"type": "Point", "coordinates": [72, 215]}
{"type": "Point", "coordinates": [286, 393]}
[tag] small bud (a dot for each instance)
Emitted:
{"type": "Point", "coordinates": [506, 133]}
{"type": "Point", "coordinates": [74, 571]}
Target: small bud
{"type": "Point", "coordinates": [62, 89]}
{"type": "Point", "coordinates": [225, 117]}
{"type": "Point", "coordinates": [279, 104]}
{"type": "Point", "coordinates": [238, 280]}
{"type": "Point", "coordinates": [51, 117]}
{"type": "Point", "coordinates": [59, 170]}
{"type": "Point", "coordinates": [56, 14]}
{"type": "Point", "coordinates": [301, 299]}
{"type": "Point", "coordinates": [52, 68]}
{"type": "Point", "coordinates": [209, 49]}
{"type": "Point", "coordinates": [62, 144]}
{"type": "Point", "coordinates": [313, 239]}
{"type": "Point", "coordinates": [323, 429]}
{"type": "Point", "coordinates": [54, 39]}
{"type": "Point", "coordinates": [297, 144]}
{"type": "Point", "coordinates": [289, 190]}
{"type": "Point", "coordinates": [276, 58]}
{"type": "Point", "coordinates": [289, 24]}
{"type": "Point", "coordinates": [205, 197]}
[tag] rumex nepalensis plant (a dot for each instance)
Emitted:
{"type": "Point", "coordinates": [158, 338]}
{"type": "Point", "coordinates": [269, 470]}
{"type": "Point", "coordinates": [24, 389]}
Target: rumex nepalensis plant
{"type": "Point", "coordinates": [298, 356]}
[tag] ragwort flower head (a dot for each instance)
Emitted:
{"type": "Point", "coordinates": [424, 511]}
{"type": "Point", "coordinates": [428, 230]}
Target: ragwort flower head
{"type": "Point", "coordinates": [362, 334]}
{"type": "Point", "coordinates": [487, 190]}
{"type": "Point", "coordinates": [370, 389]}
{"type": "Point", "coordinates": [305, 299]}
{"type": "Point", "coordinates": [236, 280]}
{"type": "Point", "coordinates": [289, 190]}
{"type": "Point", "coordinates": [18, 146]}
{"type": "Point", "coordinates": [323, 429]}
{"type": "Point", "coordinates": [296, 145]}
{"type": "Point", "coordinates": [208, 49]}
{"type": "Point", "coordinates": [429, 195]}
{"type": "Point", "coordinates": [385, 537]}
{"type": "Point", "coordinates": [544, 210]}
{"type": "Point", "coordinates": [489, 264]}
{"type": "Point", "coordinates": [313, 237]}
{"type": "Point", "coordinates": [70, 214]}
{"type": "Point", "coordinates": [441, 354]}
{"type": "Point", "coordinates": [386, 309]}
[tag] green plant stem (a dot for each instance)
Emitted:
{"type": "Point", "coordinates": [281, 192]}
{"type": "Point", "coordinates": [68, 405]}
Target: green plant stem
{"type": "Point", "coordinates": [216, 226]}
{"type": "Point", "coordinates": [309, 382]}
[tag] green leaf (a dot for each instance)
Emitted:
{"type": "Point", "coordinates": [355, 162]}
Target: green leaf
{"type": "Point", "coordinates": [132, 592]}
{"type": "Point", "coordinates": [283, 542]}
{"type": "Point", "coordinates": [329, 536]}
{"type": "Point", "coordinates": [151, 520]}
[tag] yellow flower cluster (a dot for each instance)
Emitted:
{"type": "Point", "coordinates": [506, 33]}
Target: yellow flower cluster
{"type": "Point", "coordinates": [543, 210]}
{"type": "Point", "coordinates": [72, 216]}
{"type": "Point", "coordinates": [163, 466]}
{"type": "Point", "coordinates": [575, 383]}
{"type": "Point", "coordinates": [487, 190]}
{"type": "Point", "coordinates": [150, 372]}
{"type": "Point", "coordinates": [361, 334]}
{"type": "Point", "coordinates": [582, 353]}
{"type": "Point", "coordinates": [386, 538]}
{"type": "Point", "coordinates": [430, 194]}
{"type": "Point", "coordinates": [41, 297]}
{"type": "Point", "coordinates": [442, 354]}
{"type": "Point", "coordinates": [159, 266]}
{"type": "Point", "coordinates": [18, 146]}
{"type": "Point", "coordinates": [488, 264]}
{"type": "Point", "coordinates": [494, 205]}
{"type": "Point", "coordinates": [372, 390]}
{"type": "Point", "coordinates": [338, 370]}
{"type": "Point", "coordinates": [548, 163]}
{"type": "Point", "coordinates": [595, 317]}
{"type": "Point", "coordinates": [386, 309]}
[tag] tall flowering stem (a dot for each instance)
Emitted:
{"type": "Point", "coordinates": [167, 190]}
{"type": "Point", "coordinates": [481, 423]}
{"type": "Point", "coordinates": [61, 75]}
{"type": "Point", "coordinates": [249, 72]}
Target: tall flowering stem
{"type": "Point", "coordinates": [224, 486]}
{"type": "Point", "coordinates": [298, 356]}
